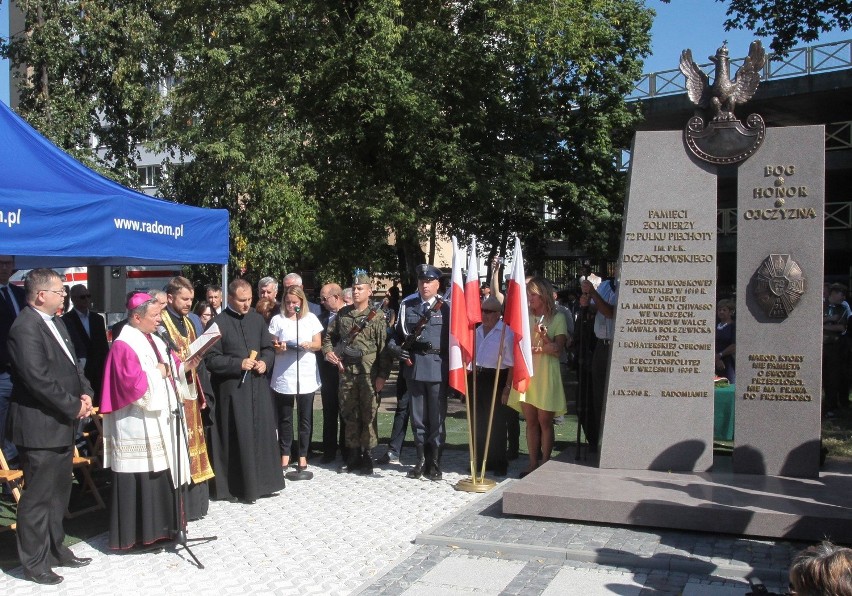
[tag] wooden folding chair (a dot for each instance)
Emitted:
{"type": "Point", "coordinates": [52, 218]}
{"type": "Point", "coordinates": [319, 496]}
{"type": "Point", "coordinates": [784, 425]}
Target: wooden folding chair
{"type": "Point", "coordinates": [14, 479]}
{"type": "Point", "coordinates": [84, 466]}
{"type": "Point", "coordinates": [95, 439]}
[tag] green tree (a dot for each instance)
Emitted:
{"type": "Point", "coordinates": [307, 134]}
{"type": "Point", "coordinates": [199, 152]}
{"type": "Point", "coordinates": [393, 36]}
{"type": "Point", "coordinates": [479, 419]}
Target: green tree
{"type": "Point", "coordinates": [538, 103]}
{"type": "Point", "coordinates": [91, 68]}
{"type": "Point", "coordinates": [233, 132]}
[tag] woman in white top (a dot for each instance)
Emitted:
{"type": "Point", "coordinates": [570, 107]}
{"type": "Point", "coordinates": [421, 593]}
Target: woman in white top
{"type": "Point", "coordinates": [297, 334]}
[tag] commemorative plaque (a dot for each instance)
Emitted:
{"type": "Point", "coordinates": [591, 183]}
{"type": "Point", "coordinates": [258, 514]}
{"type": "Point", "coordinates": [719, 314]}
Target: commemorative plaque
{"type": "Point", "coordinates": [659, 400]}
{"type": "Point", "coordinates": [780, 240]}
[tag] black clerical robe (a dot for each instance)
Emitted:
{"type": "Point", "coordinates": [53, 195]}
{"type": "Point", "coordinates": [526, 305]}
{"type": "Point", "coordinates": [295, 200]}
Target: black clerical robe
{"type": "Point", "coordinates": [244, 444]}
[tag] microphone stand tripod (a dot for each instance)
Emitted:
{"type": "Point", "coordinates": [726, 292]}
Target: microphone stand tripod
{"type": "Point", "coordinates": [180, 539]}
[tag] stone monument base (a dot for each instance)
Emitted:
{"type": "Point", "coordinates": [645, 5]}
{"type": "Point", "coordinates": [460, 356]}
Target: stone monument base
{"type": "Point", "coordinates": [717, 502]}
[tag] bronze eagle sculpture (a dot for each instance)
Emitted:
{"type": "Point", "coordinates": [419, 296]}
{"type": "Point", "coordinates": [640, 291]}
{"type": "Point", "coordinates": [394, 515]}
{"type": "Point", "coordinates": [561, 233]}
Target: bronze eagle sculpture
{"type": "Point", "coordinates": [724, 93]}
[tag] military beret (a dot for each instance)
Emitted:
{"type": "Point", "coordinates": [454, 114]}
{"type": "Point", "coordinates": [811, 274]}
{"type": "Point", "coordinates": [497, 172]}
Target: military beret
{"type": "Point", "coordinates": [360, 277]}
{"type": "Point", "coordinates": [425, 271]}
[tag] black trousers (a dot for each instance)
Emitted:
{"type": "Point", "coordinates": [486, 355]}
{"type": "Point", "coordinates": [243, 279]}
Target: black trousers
{"type": "Point", "coordinates": [47, 482]}
{"type": "Point", "coordinates": [332, 423]}
{"type": "Point", "coordinates": [284, 419]}
{"type": "Point", "coordinates": [600, 367]}
{"type": "Point", "coordinates": [497, 443]}
{"type": "Point", "coordinates": [401, 416]}
{"type": "Point", "coordinates": [428, 412]}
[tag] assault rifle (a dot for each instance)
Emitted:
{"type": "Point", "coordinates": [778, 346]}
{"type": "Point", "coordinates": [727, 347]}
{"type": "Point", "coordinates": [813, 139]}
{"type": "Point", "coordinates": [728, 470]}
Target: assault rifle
{"type": "Point", "coordinates": [412, 342]}
{"type": "Point", "coordinates": [344, 350]}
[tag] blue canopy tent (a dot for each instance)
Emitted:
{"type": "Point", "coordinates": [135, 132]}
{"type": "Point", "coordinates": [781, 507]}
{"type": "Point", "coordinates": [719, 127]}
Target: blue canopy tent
{"type": "Point", "coordinates": [56, 212]}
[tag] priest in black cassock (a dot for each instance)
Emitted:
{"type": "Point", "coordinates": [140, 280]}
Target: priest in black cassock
{"type": "Point", "coordinates": [244, 444]}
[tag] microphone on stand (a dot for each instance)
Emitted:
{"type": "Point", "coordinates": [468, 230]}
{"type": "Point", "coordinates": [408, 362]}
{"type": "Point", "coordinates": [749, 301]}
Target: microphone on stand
{"type": "Point", "coordinates": [167, 339]}
{"type": "Point", "coordinates": [252, 356]}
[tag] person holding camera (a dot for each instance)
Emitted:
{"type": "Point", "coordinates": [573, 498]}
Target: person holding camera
{"type": "Point", "coordinates": [545, 396]}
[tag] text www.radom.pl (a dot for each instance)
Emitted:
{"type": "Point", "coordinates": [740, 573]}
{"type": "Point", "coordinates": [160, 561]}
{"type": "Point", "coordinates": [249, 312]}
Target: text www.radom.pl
{"type": "Point", "coordinates": [10, 218]}
{"type": "Point", "coordinates": [148, 227]}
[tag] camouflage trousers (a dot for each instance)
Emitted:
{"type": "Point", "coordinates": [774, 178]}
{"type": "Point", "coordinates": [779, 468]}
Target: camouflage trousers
{"type": "Point", "coordinates": [358, 407]}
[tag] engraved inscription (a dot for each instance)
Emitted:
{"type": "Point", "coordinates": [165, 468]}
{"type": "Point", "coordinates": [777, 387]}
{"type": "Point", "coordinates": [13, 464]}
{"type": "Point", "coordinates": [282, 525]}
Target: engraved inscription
{"type": "Point", "coordinates": [776, 377]}
{"type": "Point", "coordinates": [665, 325]}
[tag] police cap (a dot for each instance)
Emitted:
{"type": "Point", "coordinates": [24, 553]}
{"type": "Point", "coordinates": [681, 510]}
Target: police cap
{"type": "Point", "coordinates": [425, 271]}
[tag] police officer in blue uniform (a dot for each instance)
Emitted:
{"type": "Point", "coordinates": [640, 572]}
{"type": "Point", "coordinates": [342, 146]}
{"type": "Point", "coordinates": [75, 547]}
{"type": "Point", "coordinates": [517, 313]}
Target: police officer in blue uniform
{"type": "Point", "coordinates": [421, 341]}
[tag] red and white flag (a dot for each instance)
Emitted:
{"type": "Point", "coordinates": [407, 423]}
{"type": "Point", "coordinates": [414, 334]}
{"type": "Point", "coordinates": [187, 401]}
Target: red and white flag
{"type": "Point", "coordinates": [515, 315]}
{"type": "Point", "coordinates": [471, 289]}
{"type": "Point", "coordinates": [461, 339]}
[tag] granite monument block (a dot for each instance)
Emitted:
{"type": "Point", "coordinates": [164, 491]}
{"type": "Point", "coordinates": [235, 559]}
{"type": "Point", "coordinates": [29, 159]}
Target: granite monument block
{"type": "Point", "coordinates": [780, 247]}
{"type": "Point", "coordinates": [658, 412]}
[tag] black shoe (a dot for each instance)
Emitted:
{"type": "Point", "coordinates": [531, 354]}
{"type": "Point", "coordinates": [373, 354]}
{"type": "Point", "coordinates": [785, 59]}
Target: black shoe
{"type": "Point", "coordinates": [353, 464]}
{"type": "Point", "coordinates": [387, 457]}
{"type": "Point", "coordinates": [434, 472]}
{"type": "Point", "coordinates": [75, 562]}
{"type": "Point", "coordinates": [46, 578]}
{"type": "Point", "coordinates": [416, 471]}
{"type": "Point", "coordinates": [366, 464]}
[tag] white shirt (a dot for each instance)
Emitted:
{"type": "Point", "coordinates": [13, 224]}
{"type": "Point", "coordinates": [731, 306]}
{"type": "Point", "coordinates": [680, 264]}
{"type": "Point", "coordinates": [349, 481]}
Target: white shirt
{"type": "Point", "coordinates": [605, 328]}
{"type": "Point", "coordinates": [488, 347]}
{"type": "Point", "coordinates": [51, 324]}
{"type": "Point", "coordinates": [284, 369]}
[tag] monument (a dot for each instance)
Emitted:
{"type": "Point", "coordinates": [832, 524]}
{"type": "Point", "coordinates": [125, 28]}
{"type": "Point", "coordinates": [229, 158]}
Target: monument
{"type": "Point", "coordinates": [662, 366]}
{"type": "Point", "coordinates": [656, 465]}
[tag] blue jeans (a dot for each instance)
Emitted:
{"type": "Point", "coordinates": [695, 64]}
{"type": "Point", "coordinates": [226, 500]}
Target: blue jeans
{"type": "Point", "coordinates": [9, 449]}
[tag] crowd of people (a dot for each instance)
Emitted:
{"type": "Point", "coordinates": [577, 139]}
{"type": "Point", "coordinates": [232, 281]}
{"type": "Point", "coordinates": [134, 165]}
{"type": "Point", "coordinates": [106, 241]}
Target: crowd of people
{"type": "Point", "coordinates": [181, 428]}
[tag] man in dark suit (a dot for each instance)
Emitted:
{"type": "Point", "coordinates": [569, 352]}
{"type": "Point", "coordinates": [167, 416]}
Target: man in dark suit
{"type": "Point", "coordinates": [50, 393]}
{"type": "Point", "coordinates": [332, 301]}
{"type": "Point", "coordinates": [88, 333]}
{"type": "Point", "coordinates": [12, 300]}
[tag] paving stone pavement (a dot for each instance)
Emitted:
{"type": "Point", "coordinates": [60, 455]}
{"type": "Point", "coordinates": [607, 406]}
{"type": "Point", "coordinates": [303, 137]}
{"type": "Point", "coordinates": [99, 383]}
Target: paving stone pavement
{"type": "Point", "coordinates": [387, 534]}
{"type": "Point", "coordinates": [324, 536]}
{"type": "Point", "coordinates": [538, 556]}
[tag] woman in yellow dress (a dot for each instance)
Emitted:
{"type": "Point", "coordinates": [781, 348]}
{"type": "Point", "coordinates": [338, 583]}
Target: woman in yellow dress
{"type": "Point", "coordinates": [545, 396]}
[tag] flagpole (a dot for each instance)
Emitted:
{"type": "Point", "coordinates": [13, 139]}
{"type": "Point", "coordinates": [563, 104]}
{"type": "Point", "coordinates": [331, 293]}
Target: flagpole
{"type": "Point", "coordinates": [470, 442]}
{"type": "Point", "coordinates": [493, 402]}
{"type": "Point", "coordinates": [471, 414]}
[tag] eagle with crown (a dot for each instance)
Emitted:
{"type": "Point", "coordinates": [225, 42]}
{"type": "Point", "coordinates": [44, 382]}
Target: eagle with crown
{"type": "Point", "coordinates": [724, 94]}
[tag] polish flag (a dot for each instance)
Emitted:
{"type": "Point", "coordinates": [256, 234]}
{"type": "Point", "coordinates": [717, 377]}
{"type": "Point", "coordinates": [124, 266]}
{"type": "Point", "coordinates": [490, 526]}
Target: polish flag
{"type": "Point", "coordinates": [461, 339]}
{"type": "Point", "coordinates": [471, 289]}
{"type": "Point", "coordinates": [516, 316]}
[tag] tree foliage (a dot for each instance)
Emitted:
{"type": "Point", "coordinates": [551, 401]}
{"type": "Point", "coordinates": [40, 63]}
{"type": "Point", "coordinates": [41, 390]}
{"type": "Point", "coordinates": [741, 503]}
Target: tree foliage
{"type": "Point", "coordinates": [325, 125]}
{"type": "Point", "coordinates": [788, 22]}
{"type": "Point", "coordinates": [91, 67]}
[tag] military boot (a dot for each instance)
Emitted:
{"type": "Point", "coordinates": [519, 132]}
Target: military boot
{"type": "Point", "coordinates": [366, 467]}
{"type": "Point", "coordinates": [352, 464]}
{"type": "Point", "coordinates": [417, 470]}
{"type": "Point", "coordinates": [434, 469]}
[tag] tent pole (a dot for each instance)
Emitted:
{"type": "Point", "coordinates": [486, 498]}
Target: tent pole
{"type": "Point", "coordinates": [224, 281]}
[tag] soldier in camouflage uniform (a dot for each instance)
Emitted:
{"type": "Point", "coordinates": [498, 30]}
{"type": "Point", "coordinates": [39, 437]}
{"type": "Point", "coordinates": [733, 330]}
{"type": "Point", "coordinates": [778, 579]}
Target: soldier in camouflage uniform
{"type": "Point", "coordinates": [354, 344]}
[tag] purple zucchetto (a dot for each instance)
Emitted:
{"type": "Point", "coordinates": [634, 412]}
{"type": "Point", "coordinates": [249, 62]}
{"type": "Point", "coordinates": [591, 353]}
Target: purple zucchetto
{"type": "Point", "coordinates": [138, 299]}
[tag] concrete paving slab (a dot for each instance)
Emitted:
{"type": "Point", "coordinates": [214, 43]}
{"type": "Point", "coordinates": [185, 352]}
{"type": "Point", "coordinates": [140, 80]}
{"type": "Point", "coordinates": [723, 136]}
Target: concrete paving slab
{"type": "Point", "coordinates": [466, 573]}
{"type": "Point", "coordinates": [591, 582]}
{"type": "Point", "coordinates": [704, 590]}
